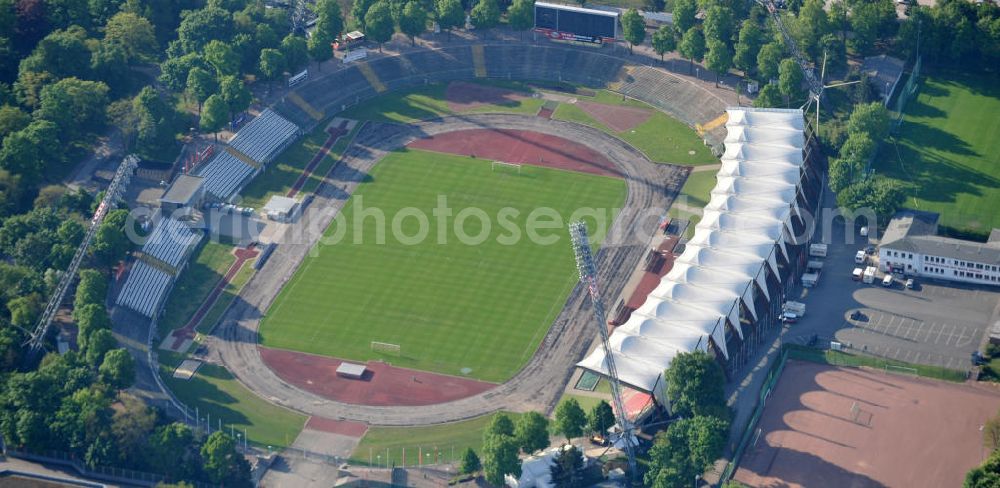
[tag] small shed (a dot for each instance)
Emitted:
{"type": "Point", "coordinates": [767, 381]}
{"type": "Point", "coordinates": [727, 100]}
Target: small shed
{"type": "Point", "coordinates": [187, 191]}
{"type": "Point", "coordinates": [282, 209]}
{"type": "Point", "coordinates": [351, 370]}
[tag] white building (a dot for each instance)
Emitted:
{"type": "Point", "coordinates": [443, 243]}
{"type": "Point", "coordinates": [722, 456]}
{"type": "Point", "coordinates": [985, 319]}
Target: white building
{"type": "Point", "coordinates": [536, 469]}
{"type": "Point", "coordinates": [911, 245]}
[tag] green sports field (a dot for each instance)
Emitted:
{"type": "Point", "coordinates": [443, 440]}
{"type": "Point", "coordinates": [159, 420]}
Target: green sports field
{"type": "Point", "coordinates": [947, 150]}
{"type": "Point", "coordinates": [453, 308]}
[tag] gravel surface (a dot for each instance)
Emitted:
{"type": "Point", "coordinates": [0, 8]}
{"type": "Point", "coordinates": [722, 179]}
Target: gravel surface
{"type": "Point", "coordinates": [651, 189]}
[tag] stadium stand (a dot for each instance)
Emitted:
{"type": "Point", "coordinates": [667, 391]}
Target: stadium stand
{"type": "Point", "coordinates": [225, 175]}
{"type": "Point", "coordinates": [730, 265]}
{"type": "Point", "coordinates": [145, 290]}
{"type": "Point", "coordinates": [171, 243]}
{"type": "Point", "coordinates": [264, 137]}
{"type": "Point", "coordinates": [682, 100]}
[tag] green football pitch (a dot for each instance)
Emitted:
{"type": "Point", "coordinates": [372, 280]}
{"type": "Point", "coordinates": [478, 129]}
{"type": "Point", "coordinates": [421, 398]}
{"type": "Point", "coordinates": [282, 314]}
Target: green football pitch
{"type": "Point", "coordinates": [947, 150]}
{"type": "Point", "coordinates": [453, 307]}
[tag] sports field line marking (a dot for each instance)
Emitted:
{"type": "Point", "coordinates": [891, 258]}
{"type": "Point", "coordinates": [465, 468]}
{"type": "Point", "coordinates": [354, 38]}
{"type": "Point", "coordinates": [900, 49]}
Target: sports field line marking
{"type": "Point", "coordinates": [951, 335]}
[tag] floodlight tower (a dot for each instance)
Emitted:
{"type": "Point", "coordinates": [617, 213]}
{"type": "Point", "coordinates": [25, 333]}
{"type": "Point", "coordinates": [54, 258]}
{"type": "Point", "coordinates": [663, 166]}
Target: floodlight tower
{"type": "Point", "coordinates": [588, 276]}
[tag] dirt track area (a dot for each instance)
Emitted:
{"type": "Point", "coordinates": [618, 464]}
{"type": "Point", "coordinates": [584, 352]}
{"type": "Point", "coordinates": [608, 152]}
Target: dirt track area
{"type": "Point", "coordinates": [462, 96]}
{"type": "Point", "coordinates": [616, 117]}
{"type": "Point", "coordinates": [836, 427]}
{"type": "Point", "coordinates": [521, 147]}
{"type": "Point", "coordinates": [651, 190]}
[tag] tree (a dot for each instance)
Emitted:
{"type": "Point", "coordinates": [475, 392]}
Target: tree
{"type": "Point", "coordinates": [89, 319]}
{"type": "Point", "coordinates": [296, 51]}
{"type": "Point", "coordinates": [686, 449]}
{"type": "Point", "coordinates": [216, 115]}
{"type": "Point", "coordinates": [221, 461]}
{"type": "Point", "coordinates": [63, 53]}
{"type": "Point", "coordinates": [567, 468]}
{"type": "Point", "coordinates": [532, 432]}
{"type": "Point", "coordinates": [413, 21]}
{"type": "Point", "coordinates": [748, 46]}
{"type": "Point", "coordinates": [570, 419]}
{"type": "Point", "coordinates": [811, 24]}
{"type": "Point", "coordinates": [521, 15]}
{"type": "Point", "coordinates": [110, 242]}
{"type": "Point", "coordinates": [500, 458]}
{"type": "Point", "coordinates": [692, 47]}
{"type": "Point", "coordinates": [991, 433]}
{"type": "Point", "coordinates": [858, 146]}
{"type": "Point", "coordinates": [768, 60]}
{"type": "Point", "coordinates": [118, 369]}
{"type": "Point", "coordinates": [449, 14]}
{"type": "Point", "coordinates": [789, 79]}
{"type": "Point", "coordinates": [470, 462]}
{"type": "Point", "coordinates": [358, 11]}
{"type": "Point", "coordinates": [664, 41]}
{"type": "Point", "coordinates": [25, 310]}
{"type": "Point", "coordinates": [12, 119]}
{"type": "Point", "coordinates": [500, 425]}
{"type": "Point", "coordinates": [601, 418]}
{"type": "Point", "coordinates": [168, 450]}
{"type": "Point", "coordinates": [378, 23]}
{"type": "Point", "coordinates": [485, 15]}
{"type": "Point", "coordinates": [718, 24]}
{"type": "Point", "coordinates": [222, 57]}
{"type": "Point", "coordinates": [92, 288]}
{"type": "Point", "coordinates": [235, 94]}
{"type": "Point", "coordinates": [98, 344]}
{"type": "Point", "coordinates": [695, 384]}
{"type": "Point", "coordinates": [633, 28]}
{"type": "Point", "coordinates": [718, 59]}
{"type": "Point", "coordinates": [198, 27]}
{"type": "Point", "coordinates": [130, 425]}
{"type": "Point", "coordinates": [200, 85]}
{"type": "Point", "coordinates": [986, 475]}
{"type": "Point", "coordinates": [871, 118]}
{"type": "Point", "coordinates": [74, 106]}
{"type": "Point", "coordinates": [272, 64]}
{"type": "Point", "coordinates": [174, 71]}
{"type": "Point", "coordinates": [844, 172]}
{"type": "Point", "coordinates": [684, 15]}
{"type": "Point", "coordinates": [329, 25]}
{"type": "Point", "coordinates": [882, 196]}
{"type": "Point", "coordinates": [132, 33]}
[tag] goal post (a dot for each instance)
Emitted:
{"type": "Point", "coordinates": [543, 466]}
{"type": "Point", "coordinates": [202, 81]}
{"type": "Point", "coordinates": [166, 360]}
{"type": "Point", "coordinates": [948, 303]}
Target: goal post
{"type": "Point", "coordinates": [504, 166]}
{"type": "Point", "coordinates": [386, 348]}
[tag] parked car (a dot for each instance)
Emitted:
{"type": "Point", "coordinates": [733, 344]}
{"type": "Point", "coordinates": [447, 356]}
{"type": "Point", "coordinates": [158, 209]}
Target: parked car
{"type": "Point", "coordinates": [887, 281]}
{"type": "Point", "coordinates": [910, 284]}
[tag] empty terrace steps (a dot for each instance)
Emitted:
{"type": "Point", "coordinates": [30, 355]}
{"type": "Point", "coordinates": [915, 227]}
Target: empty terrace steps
{"type": "Point", "coordinates": [158, 264]}
{"type": "Point", "coordinates": [299, 102]}
{"type": "Point", "coordinates": [242, 157]}
{"type": "Point", "coordinates": [479, 61]}
{"type": "Point", "coordinates": [372, 78]}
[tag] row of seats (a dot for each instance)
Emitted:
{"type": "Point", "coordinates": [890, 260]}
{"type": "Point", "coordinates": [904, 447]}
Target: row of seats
{"type": "Point", "coordinates": [224, 174]}
{"type": "Point", "coordinates": [264, 136]}
{"type": "Point", "coordinates": [171, 242]}
{"type": "Point", "coordinates": [145, 289]}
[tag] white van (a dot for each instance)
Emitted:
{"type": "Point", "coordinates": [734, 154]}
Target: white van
{"type": "Point", "coordinates": [887, 281]}
{"type": "Point", "coordinates": [860, 257]}
{"type": "Point", "coordinates": [856, 274]}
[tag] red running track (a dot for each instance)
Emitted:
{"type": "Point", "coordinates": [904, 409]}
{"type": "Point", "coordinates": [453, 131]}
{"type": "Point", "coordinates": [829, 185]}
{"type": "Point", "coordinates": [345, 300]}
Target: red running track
{"type": "Point", "coordinates": [523, 147]}
{"type": "Point", "coordinates": [383, 385]}
{"type": "Point", "coordinates": [335, 133]}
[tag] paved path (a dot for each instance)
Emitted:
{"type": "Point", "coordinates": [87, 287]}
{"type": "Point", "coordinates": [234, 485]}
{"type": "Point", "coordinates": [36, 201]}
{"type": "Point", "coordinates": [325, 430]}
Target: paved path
{"type": "Point", "coordinates": [537, 385]}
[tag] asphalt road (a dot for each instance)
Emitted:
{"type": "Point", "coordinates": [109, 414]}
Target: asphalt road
{"type": "Point", "coordinates": [538, 385]}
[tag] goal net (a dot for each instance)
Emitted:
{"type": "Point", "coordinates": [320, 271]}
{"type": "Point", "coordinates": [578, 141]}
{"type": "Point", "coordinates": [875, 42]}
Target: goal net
{"type": "Point", "coordinates": [386, 348]}
{"type": "Point", "coordinates": [504, 167]}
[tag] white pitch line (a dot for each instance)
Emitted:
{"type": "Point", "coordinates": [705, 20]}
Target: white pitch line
{"type": "Point", "coordinates": [907, 357]}
{"type": "Point", "coordinates": [951, 335]}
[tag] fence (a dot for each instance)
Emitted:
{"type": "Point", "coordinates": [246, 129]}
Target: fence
{"type": "Point", "coordinates": [833, 358]}
{"type": "Point", "coordinates": [104, 473]}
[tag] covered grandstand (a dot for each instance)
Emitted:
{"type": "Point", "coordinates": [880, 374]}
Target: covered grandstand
{"type": "Point", "coordinates": [225, 175]}
{"type": "Point", "coordinates": [162, 258]}
{"type": "Point", "coordinates": [729, 281]}
{"type": "Point", "coordinates": [264, 137]}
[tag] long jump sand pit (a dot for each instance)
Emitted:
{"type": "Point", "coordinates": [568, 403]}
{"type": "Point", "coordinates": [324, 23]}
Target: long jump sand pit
{"type": "Point", "coordinates": [848, 427]}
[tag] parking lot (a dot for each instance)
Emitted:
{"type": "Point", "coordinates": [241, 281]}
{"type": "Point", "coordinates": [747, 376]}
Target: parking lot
{"type": "Point", "coordinates": [937, 323]}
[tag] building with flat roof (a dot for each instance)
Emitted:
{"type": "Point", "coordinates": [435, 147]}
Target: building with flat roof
{"type": "Point", "coordinates": [187, 191]}
{"type": "Point", "coordinates": [282, 209]}
{"type": "Point", "coordinates": [911, 245]}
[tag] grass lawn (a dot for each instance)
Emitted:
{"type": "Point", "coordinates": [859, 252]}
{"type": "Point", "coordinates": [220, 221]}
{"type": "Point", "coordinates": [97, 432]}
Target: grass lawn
{"type": "Point", "coordinates": [947, 150]}
{"type": "Point", "coordinates": [439, 440]}
{"type": "Point", "coordinates": [586, 402]}
{"type": "Point", "coordinates": [206, 268]}
{"type": "Point", "coordinates": [698, 188]}
{"type": "Point", "coordinates": [282, 173]}
{"type": "Point", "coordinates": [229, 293]}
{"type": "Point", "coordinates": [453, 305]}
{"type": "Point", "coordinates": [217, 393]}
{"type": "Point", "coordinates": [661, 138]}
{"type": "Point", "coordinates": [430, 102]}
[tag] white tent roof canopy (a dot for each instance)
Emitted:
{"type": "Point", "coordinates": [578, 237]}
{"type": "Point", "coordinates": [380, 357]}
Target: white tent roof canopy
{"type": "Point", "coordinates": [732, 247]}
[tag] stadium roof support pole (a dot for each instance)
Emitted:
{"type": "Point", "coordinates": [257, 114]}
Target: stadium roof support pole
{"type": "Point", "coordinates": [588, 276]}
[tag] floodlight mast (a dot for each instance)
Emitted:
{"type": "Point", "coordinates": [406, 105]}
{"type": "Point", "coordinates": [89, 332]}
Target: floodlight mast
{"type": "Point", "coordinates": [588, 276]}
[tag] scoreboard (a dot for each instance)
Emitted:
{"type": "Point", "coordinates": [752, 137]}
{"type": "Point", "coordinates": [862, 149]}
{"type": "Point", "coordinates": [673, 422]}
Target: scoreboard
{"type": "Point", "coordinates": [569, 23]}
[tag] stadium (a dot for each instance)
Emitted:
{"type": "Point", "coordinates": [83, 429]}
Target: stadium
{"type": "Point", "coordinates": [458, 330]}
